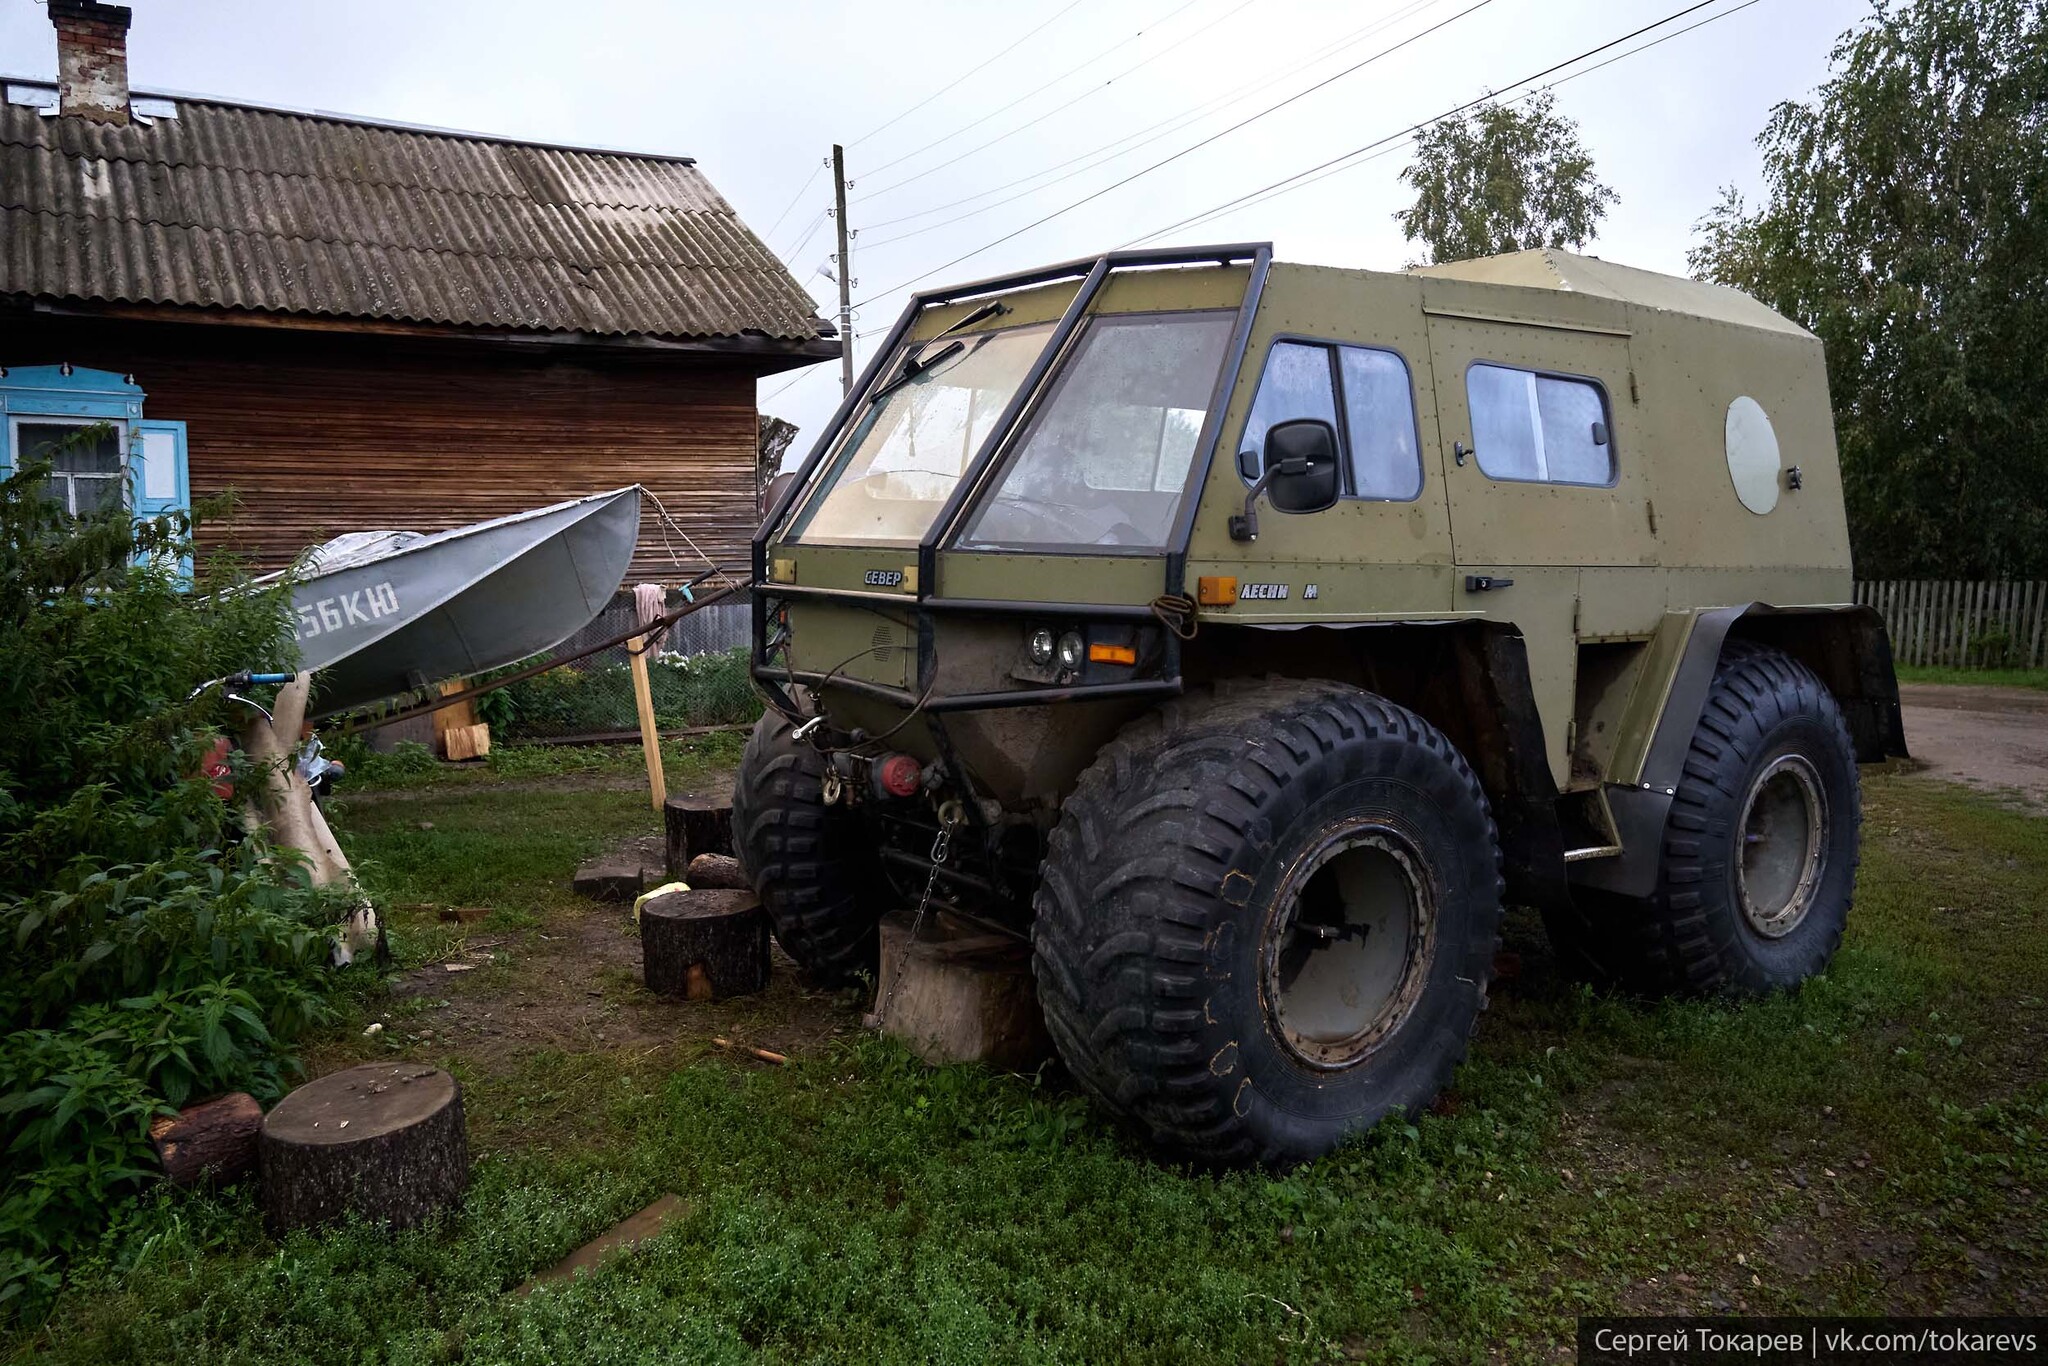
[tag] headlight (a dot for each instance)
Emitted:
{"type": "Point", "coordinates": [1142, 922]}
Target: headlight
{"type": "Point", "coordinates": [1072, 650]}
{"type": "Point", "coordinates": [1042, 645]}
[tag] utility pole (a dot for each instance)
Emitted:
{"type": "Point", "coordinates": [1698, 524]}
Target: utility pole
{"type": "Point", "coordinates": [845, 272]}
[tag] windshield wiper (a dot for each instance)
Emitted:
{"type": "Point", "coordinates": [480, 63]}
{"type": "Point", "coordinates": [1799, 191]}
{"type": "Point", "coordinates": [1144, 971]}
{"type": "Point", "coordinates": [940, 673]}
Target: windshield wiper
{"type": "Point", "coordinates": [912, 367]}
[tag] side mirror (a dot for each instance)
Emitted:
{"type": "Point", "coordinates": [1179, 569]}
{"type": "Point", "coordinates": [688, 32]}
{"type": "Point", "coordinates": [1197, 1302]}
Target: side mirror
{"type": "Point", "coordinates": [1301, 473]}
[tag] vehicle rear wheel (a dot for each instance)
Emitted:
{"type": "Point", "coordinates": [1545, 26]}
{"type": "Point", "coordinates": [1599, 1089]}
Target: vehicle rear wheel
{"type": "Point", "coordinates": [812, 865]}
{"type": "Point", "coordinates": [1758, 860]}
{"type": "Point", "coordinates": [1267, 919]}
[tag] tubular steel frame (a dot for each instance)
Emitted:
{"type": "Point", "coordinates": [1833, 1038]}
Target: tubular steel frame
{"type": "Point", "coordinates": [1093, 272]}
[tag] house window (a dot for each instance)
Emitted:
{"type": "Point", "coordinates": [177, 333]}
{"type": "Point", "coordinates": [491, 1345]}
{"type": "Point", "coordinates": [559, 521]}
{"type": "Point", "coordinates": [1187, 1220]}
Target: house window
{"type": "Point", "coordinates": [1547, 429]}
{"type": "Point", "coordinates": [87, 473]}
{"type": "Point", "coordinates": [1313, 379]}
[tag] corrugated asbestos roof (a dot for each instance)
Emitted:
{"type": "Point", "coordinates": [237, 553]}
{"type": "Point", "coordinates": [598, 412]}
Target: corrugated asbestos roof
{"type": "Point", "coordinates": [231, 206]}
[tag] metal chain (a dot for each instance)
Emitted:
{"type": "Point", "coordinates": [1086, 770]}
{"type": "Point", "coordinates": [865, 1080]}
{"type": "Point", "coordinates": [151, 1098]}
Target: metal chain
{"type": "Point", "coordinates": [950, 815]}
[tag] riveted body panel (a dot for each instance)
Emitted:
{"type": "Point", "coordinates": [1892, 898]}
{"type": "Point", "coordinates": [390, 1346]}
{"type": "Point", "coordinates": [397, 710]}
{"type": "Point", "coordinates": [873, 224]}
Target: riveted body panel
{"type": "Point", "coordinates": [1554, 440]}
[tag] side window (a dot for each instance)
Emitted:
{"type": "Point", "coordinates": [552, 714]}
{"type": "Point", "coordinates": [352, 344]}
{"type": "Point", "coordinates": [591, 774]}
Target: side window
{"type": "Point", "coordinates": [1539, 428]}
{"type": "Point", "coordinates": [85, 460]}
{"type": "Point", "coordinates": [1296, 384]}
{"type": "Point", "coordinates": [1379, 413]}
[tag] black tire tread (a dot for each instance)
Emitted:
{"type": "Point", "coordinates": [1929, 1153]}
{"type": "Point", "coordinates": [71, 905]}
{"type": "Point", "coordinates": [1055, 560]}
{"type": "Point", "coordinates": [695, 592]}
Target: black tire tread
{"type": "Point", "coordinates": [823, 899]}
{"type": "Point", "coordinates": [1151, 823]}
{"type": "Point", "coordinates": [1665, 944]}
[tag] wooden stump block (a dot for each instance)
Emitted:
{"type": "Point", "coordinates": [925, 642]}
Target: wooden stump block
{"type": "Point", "coordinates": [704, 946]}
{"type": "Point", "coordinates": [695, 825]}
{"type": "Point", "coordinates": [709, 871]}
{"type": "Point", "coordinates": [212, 1141]}
{"type": "Point", "coordinates": [609, 877]}
{"type": "Point", "coordinates": [384, 1141]}
{"type": "Point", "coordinates": [964, 995]}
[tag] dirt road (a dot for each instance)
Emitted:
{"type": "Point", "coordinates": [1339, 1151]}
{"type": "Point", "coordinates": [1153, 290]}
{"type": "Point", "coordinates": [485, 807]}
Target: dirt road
{"type": "Point", "coordinates": [1994, 739]}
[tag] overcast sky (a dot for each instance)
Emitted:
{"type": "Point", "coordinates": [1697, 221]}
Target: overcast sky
{"type": "Point", "coordinates": [758, 93]}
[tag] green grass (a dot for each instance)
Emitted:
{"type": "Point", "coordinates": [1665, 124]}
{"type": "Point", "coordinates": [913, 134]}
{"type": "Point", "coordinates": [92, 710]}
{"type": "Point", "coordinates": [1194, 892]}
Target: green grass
{"type": "Point", "coordinates": [1878, 1141]}
{"type": "Point", "coordinates": [1988, 678]}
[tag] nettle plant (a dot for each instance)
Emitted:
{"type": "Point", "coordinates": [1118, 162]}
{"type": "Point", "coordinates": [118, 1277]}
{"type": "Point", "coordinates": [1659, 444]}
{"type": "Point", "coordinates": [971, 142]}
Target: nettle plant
{"type": "Point", "coordinates": [152, 952]}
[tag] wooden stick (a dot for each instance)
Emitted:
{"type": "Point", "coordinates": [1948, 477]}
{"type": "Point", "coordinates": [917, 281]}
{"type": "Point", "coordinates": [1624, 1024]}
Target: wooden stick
{"type": "Point", "coordinates": [763, 1054]}
{"type": "Point", "coordinates": [650, 736]}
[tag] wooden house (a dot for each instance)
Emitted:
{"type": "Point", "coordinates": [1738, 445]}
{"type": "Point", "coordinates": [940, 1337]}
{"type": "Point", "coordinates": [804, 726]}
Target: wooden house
{"type": "Point", "coordinates": [353, 324]}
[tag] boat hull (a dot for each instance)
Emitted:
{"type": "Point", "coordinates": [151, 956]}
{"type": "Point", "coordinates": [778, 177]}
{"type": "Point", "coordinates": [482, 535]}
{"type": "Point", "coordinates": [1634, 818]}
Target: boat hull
{"type": "Point", "coordinates": [419, 610]}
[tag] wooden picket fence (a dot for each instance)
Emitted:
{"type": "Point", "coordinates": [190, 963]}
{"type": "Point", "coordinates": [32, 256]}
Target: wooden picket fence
{"type": "Point", "coordinates": [1963, 625]}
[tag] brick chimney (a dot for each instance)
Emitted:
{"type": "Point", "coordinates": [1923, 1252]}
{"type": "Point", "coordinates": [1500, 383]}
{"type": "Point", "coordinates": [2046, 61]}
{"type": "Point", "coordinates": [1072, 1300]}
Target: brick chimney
{"type": "Point", "coordinates": [92, 59]}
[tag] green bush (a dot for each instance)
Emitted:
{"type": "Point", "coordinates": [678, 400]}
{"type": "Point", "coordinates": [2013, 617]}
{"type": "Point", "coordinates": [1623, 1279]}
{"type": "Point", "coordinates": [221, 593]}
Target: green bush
{"type": "Point", "coordinates": [151, 953]}
{"type": "Point", "coordinates": [689, 690]}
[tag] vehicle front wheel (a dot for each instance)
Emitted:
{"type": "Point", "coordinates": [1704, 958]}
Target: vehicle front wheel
{"type": "Point", "coordinates": [811, 864]}
{"type": "Point", "coordinates": [1267, 919]}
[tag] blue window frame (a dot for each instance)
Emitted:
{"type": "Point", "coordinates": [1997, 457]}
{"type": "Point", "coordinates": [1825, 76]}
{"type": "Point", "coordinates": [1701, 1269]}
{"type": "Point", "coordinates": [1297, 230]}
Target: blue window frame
{"type": "Point", "coordinates": [142, 461]}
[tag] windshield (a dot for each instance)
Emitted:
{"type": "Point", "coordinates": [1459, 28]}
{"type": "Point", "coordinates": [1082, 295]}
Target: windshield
{"type": "Point", "coordinates": [899, 464]}
{"type": "Point", "coordinates": [1105, 460]}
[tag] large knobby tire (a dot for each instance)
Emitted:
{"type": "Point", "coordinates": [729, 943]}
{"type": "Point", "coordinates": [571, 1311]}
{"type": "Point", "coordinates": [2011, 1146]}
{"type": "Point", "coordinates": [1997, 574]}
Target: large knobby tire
{"type": "Point", "coordinates": [1758, 859]}
{"type": "Point", "coordinates": [813, 866]}
{"type": "Point", "coordinates": [1267, 919]}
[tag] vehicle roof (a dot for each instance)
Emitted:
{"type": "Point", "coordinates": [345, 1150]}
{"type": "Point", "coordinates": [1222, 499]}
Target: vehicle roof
{"type": "Point", "coordinates": [1549, 268]}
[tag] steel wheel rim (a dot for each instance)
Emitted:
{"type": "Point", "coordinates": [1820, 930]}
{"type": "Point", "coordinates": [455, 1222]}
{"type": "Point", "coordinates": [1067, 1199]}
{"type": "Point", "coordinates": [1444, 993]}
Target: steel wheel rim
{"type": "Point", "coordinates": [1347, 946]}
{"type": "Point", "coordinates": [1782, 854]}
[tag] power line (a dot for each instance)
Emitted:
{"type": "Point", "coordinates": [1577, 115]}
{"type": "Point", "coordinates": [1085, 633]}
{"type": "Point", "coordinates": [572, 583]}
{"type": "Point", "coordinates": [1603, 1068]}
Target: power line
{"type": "Point", "coordinates": [810, 227]}
{"type": "Point", "coordinates": [793, 201]}
{"type": "Point", "coordinates": [1103, 161]}
{"type": "Point", "coordinates": [1060, 108]}
{"type": "Point", "coordinates": [1075, 4]}
{"type": "Point", "coordinates": [1165, 161]}
{"type": "Point", "coordinates": [1172, 14]}
{"type": "Point", "coordinates": [1380, 147]}
{"type": "Point", "coordinates": [802, 375]}
{"type": "Point", "coordinates": [1165, 126]}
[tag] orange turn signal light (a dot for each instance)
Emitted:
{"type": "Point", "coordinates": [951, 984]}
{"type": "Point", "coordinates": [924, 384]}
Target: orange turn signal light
{"type": "Point", "coordinates": [1214, 591]}
{"type": "Point", "coordinates": [1112, 654]}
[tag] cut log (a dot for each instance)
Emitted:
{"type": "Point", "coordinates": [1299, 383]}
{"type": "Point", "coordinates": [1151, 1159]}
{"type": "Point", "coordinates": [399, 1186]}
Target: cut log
{"type": "Point", "coordinates": [709, 871]}
{"type": "Point", "coordinates": [964, 995]}
{"type": "Point", "coordinates": [213, 1141]}
{"type": "Point", "coordinates": [695, 825]}
{"type": "Point", "coordinates": [384, 1142]}
{"type": "Point", "coordinates": [704, 945]}
{"type": "Point", "coordinates": [609, 877]}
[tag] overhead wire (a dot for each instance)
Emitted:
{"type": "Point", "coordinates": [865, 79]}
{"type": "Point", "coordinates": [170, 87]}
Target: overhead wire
{"type": "Point", "coordinates": [1060, 108]}
{"type": "Point", "coordinates": [971, 71]}
{"type": "Point", "coordinates": [794, 198]}
{"type": "Point", "coordinates": [1380, 147]}
{"type": "Point", "coordinates": [1172, 123]}
{"type": "Point", "coordinates": [1039, 189]}
{"type": "Point", "coordinates": [1195, 146]}
{"type": "Point", "coordinates": [1075, 70]}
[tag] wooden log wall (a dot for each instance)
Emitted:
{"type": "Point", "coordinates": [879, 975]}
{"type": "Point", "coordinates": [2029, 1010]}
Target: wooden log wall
{"type": "Point", "coordinates": [1963, 625]}
{"type": "Point", "coordinates": [317, 433]}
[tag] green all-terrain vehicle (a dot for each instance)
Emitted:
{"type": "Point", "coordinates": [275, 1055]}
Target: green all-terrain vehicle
{"type": "Point", "coordinates": [1249, 632]}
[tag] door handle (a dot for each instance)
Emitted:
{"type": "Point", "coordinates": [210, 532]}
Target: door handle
{"type": "Point", "coordinates": [1485, 583]}
{"type": "Point", "coordinates": [1460, 450]}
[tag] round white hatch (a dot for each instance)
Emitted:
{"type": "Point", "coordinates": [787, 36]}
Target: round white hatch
{"type": "Point", "coordinates": [1753, 455]}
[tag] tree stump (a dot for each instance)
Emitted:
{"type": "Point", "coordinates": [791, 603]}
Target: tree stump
{"type": "Point", "coordinates": [384, 1141]}
{"type": "Point", "coordinates": [212, 1141]}
{"type": "Point", "coordinates": [709, 871]}
{"type": "Point", "coordinates": [704, 946]}
{"type": "Point", "coordinates": [960, 994]}
{"type": "Point", "coordinates": [695, 825]}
